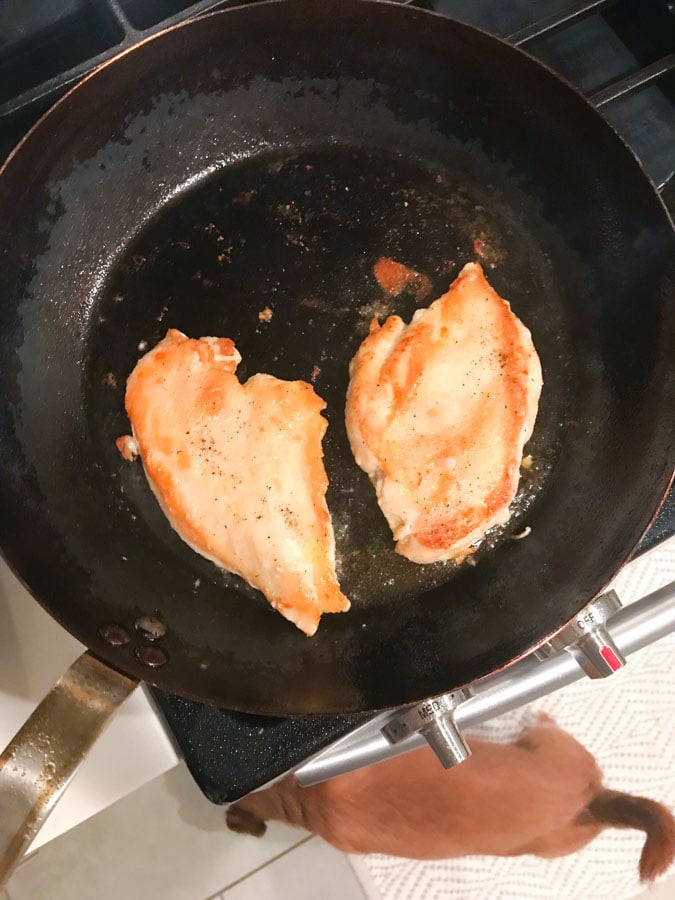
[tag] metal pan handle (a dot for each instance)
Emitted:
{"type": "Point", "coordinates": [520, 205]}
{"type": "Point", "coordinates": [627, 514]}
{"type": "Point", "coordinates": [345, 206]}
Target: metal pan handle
{"type": "Point", "coordinates": [38, 764]}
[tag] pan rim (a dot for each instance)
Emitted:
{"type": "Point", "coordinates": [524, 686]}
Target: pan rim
{"type": "Point", "coordinates": [406, 8]}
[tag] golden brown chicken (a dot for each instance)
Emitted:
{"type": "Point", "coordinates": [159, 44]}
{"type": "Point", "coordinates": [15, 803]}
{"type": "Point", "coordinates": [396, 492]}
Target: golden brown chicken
{"type": "Point", "coordinates": [438, 412]}
{"type": "Point", "coordinates": [238, 470]}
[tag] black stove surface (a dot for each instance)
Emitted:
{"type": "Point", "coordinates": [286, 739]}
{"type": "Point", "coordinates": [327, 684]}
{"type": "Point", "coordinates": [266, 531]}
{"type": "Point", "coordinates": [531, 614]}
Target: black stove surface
{"type": "Point", "coordinates": [596, 44]}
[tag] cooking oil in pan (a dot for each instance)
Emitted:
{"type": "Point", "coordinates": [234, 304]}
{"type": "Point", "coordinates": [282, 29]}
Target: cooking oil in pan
{"type": "Point", "coordinates": [278, 254]}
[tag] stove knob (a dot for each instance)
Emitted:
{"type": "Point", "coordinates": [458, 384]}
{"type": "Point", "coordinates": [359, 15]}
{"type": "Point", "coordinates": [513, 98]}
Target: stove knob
{"type": "Point", "coordinates": [587, 639]}
{"type": "Point", "coordinates": [435, 720]}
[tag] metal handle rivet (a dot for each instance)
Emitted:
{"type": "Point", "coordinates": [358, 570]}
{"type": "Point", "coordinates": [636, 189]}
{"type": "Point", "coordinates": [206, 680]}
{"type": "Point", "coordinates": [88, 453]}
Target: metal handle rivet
{"type": "Point", "coordinates": [153, 657]}
{"type": "Point", "coordinates": [114, 634]}
{"type": "Point", "coordinates": [150, 628]}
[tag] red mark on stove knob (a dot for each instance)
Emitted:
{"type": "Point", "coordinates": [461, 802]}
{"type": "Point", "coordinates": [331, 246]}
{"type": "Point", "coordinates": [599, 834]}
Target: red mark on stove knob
{"type": "Point", "coordinates": [610, 658]}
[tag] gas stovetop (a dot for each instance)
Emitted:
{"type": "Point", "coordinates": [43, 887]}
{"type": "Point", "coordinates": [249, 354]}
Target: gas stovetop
{"type": "Point", "coordinates": [617, 51]}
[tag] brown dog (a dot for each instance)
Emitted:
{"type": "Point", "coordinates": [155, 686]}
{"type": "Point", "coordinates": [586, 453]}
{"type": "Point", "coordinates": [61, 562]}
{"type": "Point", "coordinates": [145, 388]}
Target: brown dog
{"type": "Point", "coordinates": [541, 795]}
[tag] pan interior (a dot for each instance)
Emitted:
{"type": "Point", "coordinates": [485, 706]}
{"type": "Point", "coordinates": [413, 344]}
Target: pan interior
{"type": "Point", "coordinates": [298, 234]}
{"type": "Point", "coordinates": [266, 157]}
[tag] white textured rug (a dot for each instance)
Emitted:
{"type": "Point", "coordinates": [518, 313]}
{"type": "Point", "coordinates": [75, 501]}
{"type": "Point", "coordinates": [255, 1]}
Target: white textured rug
{"type": "Point", "coordinates": [628, 723]}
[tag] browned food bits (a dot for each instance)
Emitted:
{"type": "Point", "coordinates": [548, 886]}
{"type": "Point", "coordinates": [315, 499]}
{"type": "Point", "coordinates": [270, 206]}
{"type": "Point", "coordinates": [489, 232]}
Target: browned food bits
{"type": "Point", "coordinates": [394, 278]}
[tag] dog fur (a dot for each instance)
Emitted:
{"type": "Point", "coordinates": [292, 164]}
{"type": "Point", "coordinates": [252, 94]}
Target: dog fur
{"type": "Point", "coordinates": [542, 795]}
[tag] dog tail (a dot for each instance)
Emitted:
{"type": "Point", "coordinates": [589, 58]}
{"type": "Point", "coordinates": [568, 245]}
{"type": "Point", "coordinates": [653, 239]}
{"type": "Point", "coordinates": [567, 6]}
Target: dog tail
{"type": "Point", "coordinates": [613, 808]}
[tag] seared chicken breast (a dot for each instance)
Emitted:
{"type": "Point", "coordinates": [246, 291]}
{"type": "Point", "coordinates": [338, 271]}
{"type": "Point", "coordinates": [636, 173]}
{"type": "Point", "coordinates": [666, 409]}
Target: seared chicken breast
{"type": "Point", "coordinates": [438, 413]}
{"type": "Point", "coordinates": [238, 470]}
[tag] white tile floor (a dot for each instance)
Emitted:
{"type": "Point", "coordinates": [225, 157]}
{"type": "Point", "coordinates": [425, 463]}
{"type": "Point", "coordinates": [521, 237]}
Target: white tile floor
{"type": "Point", "coordinates": [311, 870]}
{"type": "Point", "coordinates": [167, 842]}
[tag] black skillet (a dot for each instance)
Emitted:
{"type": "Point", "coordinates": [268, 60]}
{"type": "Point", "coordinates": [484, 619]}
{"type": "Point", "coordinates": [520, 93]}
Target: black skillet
{"type": "Point", "coordinates": [267, 156]}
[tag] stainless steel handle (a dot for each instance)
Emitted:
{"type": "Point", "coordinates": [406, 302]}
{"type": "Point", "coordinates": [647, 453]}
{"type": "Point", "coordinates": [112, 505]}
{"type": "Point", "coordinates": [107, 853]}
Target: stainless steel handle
{"type": "Point", "coordinates": [38, 764]}
{"type": "Point", "coordinates": [632, 627]}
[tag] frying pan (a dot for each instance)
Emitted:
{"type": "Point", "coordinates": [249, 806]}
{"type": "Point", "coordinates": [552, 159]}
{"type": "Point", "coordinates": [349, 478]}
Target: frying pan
{"type": "Point", "coordinates": [267, 156]}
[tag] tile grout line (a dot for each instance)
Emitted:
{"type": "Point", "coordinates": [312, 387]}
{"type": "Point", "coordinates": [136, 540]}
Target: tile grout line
{"type": "Point", "coordinates": [362, 887]}
{"type": "Point", "coordinates": [364, 892]}
{"type": "Point", "coordinates": [259, 868]}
